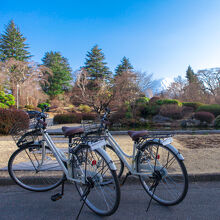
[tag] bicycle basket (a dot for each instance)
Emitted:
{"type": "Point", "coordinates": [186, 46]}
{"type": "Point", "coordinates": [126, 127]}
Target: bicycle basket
{"type": "Point", "coordinates": [24, 133]}
{"type": "Point", "coordinates": [90, 126]}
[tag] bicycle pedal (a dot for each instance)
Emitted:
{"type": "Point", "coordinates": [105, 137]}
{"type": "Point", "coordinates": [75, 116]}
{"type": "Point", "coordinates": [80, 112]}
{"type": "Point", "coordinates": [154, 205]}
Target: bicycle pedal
{"type": "Point", "coordinates": [56, 197]}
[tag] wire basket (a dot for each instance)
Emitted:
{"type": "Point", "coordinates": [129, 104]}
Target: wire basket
{"type": "Point", "coordinates": [24, 132]}
{"type": "Point", "coordinates": [91, 126]}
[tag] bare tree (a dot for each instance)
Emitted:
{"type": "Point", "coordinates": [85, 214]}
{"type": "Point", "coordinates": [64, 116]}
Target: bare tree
{"type": "Point", "coordinates": [144, 81]}
{"type": "Point", "coordinates": [25, 75]}
{"type": "Point", "coordinates": [211, 81]}
{"type": "Point", "coordinates": [95, 93]}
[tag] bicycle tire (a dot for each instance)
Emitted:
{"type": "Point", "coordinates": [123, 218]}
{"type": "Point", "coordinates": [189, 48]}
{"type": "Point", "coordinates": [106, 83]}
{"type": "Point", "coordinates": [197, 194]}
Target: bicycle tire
{"type": "Point", "coordinates": [25, 169]}
{"type": "Point", "coordinates": [116, 160]}
{"type": "Point", "coordinates": [104, 197]}
{"type": "Point", "coordinates": [154, 157]}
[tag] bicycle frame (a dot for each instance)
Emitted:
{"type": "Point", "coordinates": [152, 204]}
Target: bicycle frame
{"type": "Point", "coordinates": [122, 155]}
{"type": "Point", "coordinates": [62, 160]}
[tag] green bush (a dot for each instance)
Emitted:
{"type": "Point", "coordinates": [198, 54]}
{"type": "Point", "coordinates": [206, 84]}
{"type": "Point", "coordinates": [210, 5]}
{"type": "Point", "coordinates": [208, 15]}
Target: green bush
{"type": "Point", "coordinates": [168, 101]}
{"type": "Point", "coordinates": [9, 117]}
{"type": "Point", "coordinates": [217, 122]}
{"type": "Point", "coordinates": [3, 106]}
{"type": "Point", "coordinates": [73, 118]}
{"type": "Point", "coordinates": [143, 100]}
{"type": "Point", "coordinates": [214, 109]}
{"type": "Point", "coordinates": [151, 110]}
{"type": "Point", "coordinates": [6, 99]}
{"type": "Point", "coordinates": [85, 108]}
{"type": "Point", "coordinates": [193, 105]}
{"type": "Point", "coordinates": [41, 105]}
{"type": "Point", "coordinates": [204, 117]}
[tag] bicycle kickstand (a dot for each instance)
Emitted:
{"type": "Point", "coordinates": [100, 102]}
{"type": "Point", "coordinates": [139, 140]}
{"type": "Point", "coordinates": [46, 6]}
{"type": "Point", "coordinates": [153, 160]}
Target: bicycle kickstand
{"type": "Point", "coordinates": [123, 182]}
{"type": "Point", "coordinates": [58, 196]}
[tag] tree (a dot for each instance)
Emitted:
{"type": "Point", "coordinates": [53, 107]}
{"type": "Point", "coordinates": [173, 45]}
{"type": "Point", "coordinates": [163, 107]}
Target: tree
{"type": "Point", "coordinates": [210, 79]}
{"type": "Point", "coordinates": [98, 97]}
{"type": "Point", "coordinates": [59, 82]}
{"type": "Point", "coordinates": [12, 44]}
{"type": "Point", "coordinates": [125, 66]}
{"type": "Point", "coordinates": [95, 65]}
{"type": "Point", "coordinates": [190, 75]}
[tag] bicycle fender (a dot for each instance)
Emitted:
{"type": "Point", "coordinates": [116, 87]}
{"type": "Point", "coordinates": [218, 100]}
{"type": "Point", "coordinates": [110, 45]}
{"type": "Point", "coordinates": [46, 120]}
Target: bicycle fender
{"type": "Point", "coordinates": [171, 148]}
{"type": "Point", "coordinates": [107, 158]}
{"type": "Point", "coordinates": [175, 151]}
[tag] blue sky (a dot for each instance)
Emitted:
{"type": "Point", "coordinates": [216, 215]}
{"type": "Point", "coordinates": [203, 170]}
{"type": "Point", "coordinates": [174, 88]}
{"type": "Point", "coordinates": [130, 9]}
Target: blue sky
{"type": "Point", "coordinates": [161, 37]}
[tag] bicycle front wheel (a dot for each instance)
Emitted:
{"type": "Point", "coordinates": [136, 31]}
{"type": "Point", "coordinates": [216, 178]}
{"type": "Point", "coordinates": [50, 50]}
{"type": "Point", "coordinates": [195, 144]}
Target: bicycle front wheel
{"type": "Point", "coordinates": [165, 178]}
{"type": "Point", "coordinates": [98, 181]}
{"type": "Point", "coordinates": [33, 170]}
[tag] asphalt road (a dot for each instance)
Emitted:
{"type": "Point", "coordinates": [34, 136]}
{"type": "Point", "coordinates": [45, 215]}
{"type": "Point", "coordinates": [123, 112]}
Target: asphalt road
{"type": "Point", "coordinates": [201, 202]}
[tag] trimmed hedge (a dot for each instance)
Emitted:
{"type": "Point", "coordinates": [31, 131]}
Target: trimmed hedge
{"type": "Point", "coordinates": [193, 105]}
{"type": "Point", "coordinates": [73, 118]}
{"type": "Point", "coordinates": [9, 117]}
{"type": "Point", "coordinates": [204, 116]}
{"type": "Point", "coordinates": [168, 101]}
{"type": "Point", "coordinates": [214, 109]}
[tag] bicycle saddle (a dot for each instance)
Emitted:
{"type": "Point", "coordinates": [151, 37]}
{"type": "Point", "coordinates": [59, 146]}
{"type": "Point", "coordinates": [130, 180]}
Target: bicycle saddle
{"type": "Point", "coordinates": [71, 131]}
{"type": "Point", "coordinates": [135, 135]}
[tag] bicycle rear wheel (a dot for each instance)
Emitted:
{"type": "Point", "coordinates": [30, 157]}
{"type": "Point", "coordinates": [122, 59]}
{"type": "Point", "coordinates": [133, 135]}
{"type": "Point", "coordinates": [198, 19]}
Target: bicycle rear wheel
{"type": "Point", "coordinates": [95, 172]}
{"type": "Point", "coordinates": [32, 172]}
{"type": "Point", "coordinates": [167, 180]}
{"type": "Point", "coordinates": [116, 160]}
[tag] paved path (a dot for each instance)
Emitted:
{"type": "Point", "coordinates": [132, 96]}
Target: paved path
{"type": "Point", "coordinates": [202, 202]}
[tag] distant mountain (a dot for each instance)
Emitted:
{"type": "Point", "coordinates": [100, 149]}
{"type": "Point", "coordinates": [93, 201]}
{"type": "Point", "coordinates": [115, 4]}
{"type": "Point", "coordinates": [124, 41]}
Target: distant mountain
{"type": "Point", "coordinates": [160, 85]}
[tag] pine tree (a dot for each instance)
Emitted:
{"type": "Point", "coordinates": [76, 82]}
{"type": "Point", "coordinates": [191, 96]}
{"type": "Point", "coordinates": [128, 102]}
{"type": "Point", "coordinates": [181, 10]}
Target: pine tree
{"type": "Point", "coordinates": [95, 65]}
{"type": "Point", "coordinates": [124, 66]}
{"type": "Point", "coordinates": [190, 75]}
{"type": "Point", "coordinates": [12, 44]}
{"type": "Point", "coordinates": [60, 80]}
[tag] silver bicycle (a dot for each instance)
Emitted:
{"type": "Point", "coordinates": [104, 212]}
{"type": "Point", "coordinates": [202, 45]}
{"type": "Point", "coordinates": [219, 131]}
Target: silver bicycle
{"type": "Point", "coordinates": [38, 165]}
{"type": "Point", "coordinates": [157, 163]}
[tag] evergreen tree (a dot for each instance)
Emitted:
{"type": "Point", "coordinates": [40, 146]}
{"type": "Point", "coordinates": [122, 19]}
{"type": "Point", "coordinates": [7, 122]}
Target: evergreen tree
{"type": "Point", "coordinates": [190, 75]}
{"type": "Point", "coordinates": [95, 65]}
{"type": "Point", "coordinates": [60, 80]}
{"type": "Point", "coordinates": [12, 44]}
{"type": "Point", "coordinates": [124, 66]}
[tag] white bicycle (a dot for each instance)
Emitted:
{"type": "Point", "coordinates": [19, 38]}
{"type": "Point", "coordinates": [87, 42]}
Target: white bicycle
{"type": "Point", "coordinates": [41, 166]}
{"type": "Point", "coordinates": [157, 163]}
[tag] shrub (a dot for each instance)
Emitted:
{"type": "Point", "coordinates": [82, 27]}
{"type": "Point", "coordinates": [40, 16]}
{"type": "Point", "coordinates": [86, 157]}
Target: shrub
{"type": "Point", "coordinates": [214, 109]}
{"type": "Point", "coordinates": [151, 110]}
{"type": "Point", "coordinates": [217, 122]}
{"type": "Point", "coordinates": [168, 101]}
{"type": "Point", "coordinates": [29, 107]}
{"type": "Point", "coordinates": [42, 105]}
{"type": "Point", "coordinates": [8, 117]}
{"type": "Point", "coordinates": [143, 100]}
{"type": "Point", "coordinates": [204, 116]}
{"type": "Point", "coordinates": [85, 108]}
{"type": "Point", "coordinates": [154, 99]}
{"type": "Point", "coordinates": [6, 99]}
{"type": "Point", "coordinates": [171, 110]}
{"type": "Point", "coordinates": [193, 105]}
{"type": "Point", "coordinates": [73, 118]}
{"type": "Point", "coordinates": [3, 105]}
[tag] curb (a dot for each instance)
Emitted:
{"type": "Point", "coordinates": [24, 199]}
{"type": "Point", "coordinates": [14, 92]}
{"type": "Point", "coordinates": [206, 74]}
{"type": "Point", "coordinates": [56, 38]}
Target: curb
{"type": "Point", "coordinates": [204, 177]}
{"type": "Point", "coordinates": [58, 131]}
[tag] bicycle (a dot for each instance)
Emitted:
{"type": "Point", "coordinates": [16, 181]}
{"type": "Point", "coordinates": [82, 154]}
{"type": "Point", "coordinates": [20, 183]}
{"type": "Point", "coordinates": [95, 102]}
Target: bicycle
{"type": "Point", "coordinates": [38, 165]}
{"type": "Point", "coordinates": [157, 163]}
